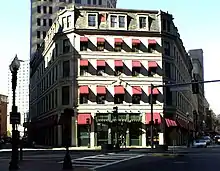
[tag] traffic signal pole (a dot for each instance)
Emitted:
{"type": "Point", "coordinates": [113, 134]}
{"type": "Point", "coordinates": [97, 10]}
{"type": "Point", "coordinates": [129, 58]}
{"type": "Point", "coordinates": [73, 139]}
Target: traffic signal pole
{"type": "Point", "coordinates": [168, 85]}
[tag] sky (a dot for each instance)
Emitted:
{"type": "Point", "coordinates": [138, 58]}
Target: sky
{"type": "Point", "coordinates": [197, 22]}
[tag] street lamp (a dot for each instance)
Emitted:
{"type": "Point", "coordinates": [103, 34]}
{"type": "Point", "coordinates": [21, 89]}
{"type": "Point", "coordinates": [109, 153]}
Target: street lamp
{"type": "Point", "coordinates": [14, 115]}
{"type": "Point", "coordinates": [188, 142]}
{"type": "Point", "coordinates": [115, 113]}
{"type": "Point", "coordinates": [64, 120]}
{"type": "Point", "coordinates": [152, 116]}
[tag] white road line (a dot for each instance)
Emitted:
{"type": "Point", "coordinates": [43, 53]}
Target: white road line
{"type": "Point", "coordinates": [87, 157]}
{"type": "Point", "coordinates": [119, 161]}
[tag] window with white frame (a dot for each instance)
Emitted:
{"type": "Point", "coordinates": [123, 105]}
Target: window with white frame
{"type": "Point", "coordinates": [113, 21]}
{"type": "Point", "coordinates": [142, 22]}
{"type": "Point", "coordinates": [92, 20]}
{"type": "Point", "coordinates": [118, 21]}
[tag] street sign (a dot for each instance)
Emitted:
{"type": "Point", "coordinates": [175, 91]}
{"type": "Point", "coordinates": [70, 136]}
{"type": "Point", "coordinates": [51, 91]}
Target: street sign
{"type": "Point", "coordinates": [15, 118]}
{"type": "Point", "coordinates": [180, 88]}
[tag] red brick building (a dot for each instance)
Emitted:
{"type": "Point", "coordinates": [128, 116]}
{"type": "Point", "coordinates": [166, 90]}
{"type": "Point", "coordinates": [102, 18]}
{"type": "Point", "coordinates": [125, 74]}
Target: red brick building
{"type": "Point", "coordinates": [3, 114]}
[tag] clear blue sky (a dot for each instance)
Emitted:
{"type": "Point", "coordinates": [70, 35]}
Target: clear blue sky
{"type": "Point", "coordinates": [196, 20]}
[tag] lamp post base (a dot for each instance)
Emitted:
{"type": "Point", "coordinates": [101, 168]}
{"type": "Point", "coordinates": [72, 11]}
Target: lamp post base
{"type": "Point", "coordinates": [67, 163]}
{"type": "Point", "coordinates": [13, 165]}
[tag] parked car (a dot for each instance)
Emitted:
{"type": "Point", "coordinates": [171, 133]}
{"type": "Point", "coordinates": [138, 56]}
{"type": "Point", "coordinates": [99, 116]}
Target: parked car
{"type": "Point", "coordinates": [207, 139]}
{"type": "Point", "coordinates": [217, 139]}
{"type": "Point", "coordinates": [200, 143]}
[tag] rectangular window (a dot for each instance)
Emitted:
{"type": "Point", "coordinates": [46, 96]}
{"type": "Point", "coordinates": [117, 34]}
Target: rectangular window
{"type": "Point", "coordinates": [38, 22]}
{"type": "Point", "coordinates": [83, 99]}
{"type": "Point", "coordinates": [135, 47]}
{"type": "Point", "coordinates": [100, 99]}
{"type": "Point", "coordinates": [166, 48]}
{"type": "Point", "coordinates": [94, 2]}
{"type": "Point", "coordinates": [100, 70]}
{"type": "Point", "coordinates": [78, 1]}
{"type": "Point", "coordinates": [119, 98]}
{"type": "Point", "coordinates": [121, 21]}
{"type": "Point", "coordinates": [92, 20]}
{"type": "Point", "coordinates": [56, 50]}
{"type": "Point", "coordinates": [113, 20]}
{"type": "Point", "coordinates": [44, 34]}
{"type": "Point", "coordinates": [100, 46]}
{"type": "Point", "coordinates": [44, 9]}
{"type": "Point", "coordinates": [66, 46]}
{"type": "Point", "coordinates": [66, 69]}
{"type": "Point", "coordinates": [136, 71]}
{"type": "Point", "coordinates": [164, 25]}
{"type": "Point", "coordinates": [88, 2]}
{"type": "Point", "coordinates": [142, 22]}
{"type": "Point", "coordinates": [83, 71]}
{"type": "Point", "coordinates": [50, 22]}
{"type": "Point", "coordinates": [83, 46]}
{"type": "Point", "coordinates": [118, 71]}
{"type": "Point", "coordinates": [38, 9]}
{"type": "Point", "coordinates": [168, 70]}
{"type": "Point", "coordinates": [38, 34]}
{"type": "Point", "coordinates": [118, 47]}
{"type": "Point", "coordinates": [168, 26]}
{"type": "Point", "coordinates": [44, 22]}
{"type": "Point", "coordinates": [100, 2]}
{"type": "Point", "coordinates": [65, 95]}
{"type": "Point", "coordinates": [50, 10]}
{"type": "Point", "coordinates": [136, 99]}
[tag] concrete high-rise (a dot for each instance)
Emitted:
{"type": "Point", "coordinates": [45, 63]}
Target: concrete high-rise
{"type": "Point", "coordinates": [198, 74]}
{"type": "Point", "coordinates": [43, 12]}
{"type": "Point", "coordinates": [22, 94]}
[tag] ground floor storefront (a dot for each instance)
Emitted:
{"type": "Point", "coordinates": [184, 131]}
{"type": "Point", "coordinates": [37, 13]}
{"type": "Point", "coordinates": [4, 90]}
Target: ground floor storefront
{"type": "Point", "coordinates": [130, 129]}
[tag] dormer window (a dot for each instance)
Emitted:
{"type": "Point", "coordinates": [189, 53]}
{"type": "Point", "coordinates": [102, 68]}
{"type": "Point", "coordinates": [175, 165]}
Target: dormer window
{"type": "Point", "coordinates": [118, 21]}
{"type": "Point", "coordinates": [113, 21]}
{"type": "Point", "coordinates": [92, 20]}
{"type": "Point", "coordinates": [143, 22]}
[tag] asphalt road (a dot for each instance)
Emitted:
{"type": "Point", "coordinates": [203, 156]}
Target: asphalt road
{"type": "Point", "coordinates": [192, 159]}
{"type": "Point", "coordinates": [198, 159]}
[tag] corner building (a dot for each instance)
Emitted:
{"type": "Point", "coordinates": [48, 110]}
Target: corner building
{"type": "Point", "coordinates": [94, 59]}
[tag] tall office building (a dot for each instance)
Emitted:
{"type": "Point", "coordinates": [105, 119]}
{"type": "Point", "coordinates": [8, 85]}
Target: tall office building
{"type": "Point", "coordinates": [22, 94]}
{"type": "Point", "coordinates": [198, 73]}
{"type": "Point", "coordinates": [43, 12]}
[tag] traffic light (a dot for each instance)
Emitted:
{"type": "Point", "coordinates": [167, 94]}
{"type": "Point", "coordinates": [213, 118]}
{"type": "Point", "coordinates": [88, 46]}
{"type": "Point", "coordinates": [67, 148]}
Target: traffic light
{"type": "Point", "coordinates": [195, 87]}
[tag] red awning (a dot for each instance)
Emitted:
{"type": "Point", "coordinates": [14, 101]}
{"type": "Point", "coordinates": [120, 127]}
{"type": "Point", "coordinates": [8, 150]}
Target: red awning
{"type": "Point", "coordinates": [101, 90]}
{"type": "Point", "coordinates": [136, 63]}
{"type": "Point", "coordinates": [84, 118]}
{"type": "Point", "coordinates": [156, 118]}
{"type": "Point", "coordinates": [118, 40]}
{"type": "Point", "coordinates": [136, 41]}
{"type": "Point", "coordinates": [119, 63]}
{"type": "Point", "coordinates": [119, 90]}
{"type": "Point", "coordinates": [100, 40]}
{"type": "Point", "coordinates": [137, 90]}
{"type": "Point", "coordinates": [170, 123]}
{"type": "Point", "coordinates": [84, 89]}
{"type": "Point", "coordinates": [181, 123]}
{"type": "Point", "coordinates": [84, 39]}
{"type": "Point", "coordinates": [155, 91]}
{"type": "Point", "coordinates": [152, 64]}
{"type": "Point", "coordinates": [152, 42]}
{"type": "Point", "coordinates": [84, 62]}
{"type": "Point", "coordinates": [101, 63]}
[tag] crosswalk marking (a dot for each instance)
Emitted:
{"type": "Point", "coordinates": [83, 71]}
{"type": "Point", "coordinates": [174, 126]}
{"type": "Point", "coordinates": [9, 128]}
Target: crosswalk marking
{"type": "Point", "coordinates": [103, 160]}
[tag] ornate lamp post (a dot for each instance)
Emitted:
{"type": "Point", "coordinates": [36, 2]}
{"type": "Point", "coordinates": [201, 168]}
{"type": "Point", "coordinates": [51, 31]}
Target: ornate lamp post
{"type": "Point", "coordinates": [14, 116]}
